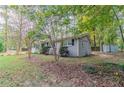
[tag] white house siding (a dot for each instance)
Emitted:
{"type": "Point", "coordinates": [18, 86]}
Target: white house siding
{"type": "Point", "coordinates": [84, 47]}
{"type": "Point", "coordinates": [73, 49]}
{"type": "Point", "coordinates": [106, 48]}
{"type": "Point", "coordinates": [81, 47]}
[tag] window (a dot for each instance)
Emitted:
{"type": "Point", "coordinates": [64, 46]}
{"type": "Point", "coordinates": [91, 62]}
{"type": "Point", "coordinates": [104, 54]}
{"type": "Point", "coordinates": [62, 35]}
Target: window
{"type": "Point", "coordinates": [69, 42]}
{"type": "Point", "coordinates": [72, 42]}
{"type": "Point", "coordinates": [65, 43]}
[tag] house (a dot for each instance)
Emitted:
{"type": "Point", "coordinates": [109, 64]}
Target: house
{"type": "Point", "coordinates": [77, 45]}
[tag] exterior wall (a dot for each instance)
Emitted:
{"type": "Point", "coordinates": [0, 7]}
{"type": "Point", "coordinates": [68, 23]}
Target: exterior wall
{"type": "Point", "coordinates": [73, 48]}
{"type": "Point", "coordinates": [81, 47]}
{"type": "Point", "coordinates": [106, 48]}
{"type": "Point", "coordinates": [84, 47]}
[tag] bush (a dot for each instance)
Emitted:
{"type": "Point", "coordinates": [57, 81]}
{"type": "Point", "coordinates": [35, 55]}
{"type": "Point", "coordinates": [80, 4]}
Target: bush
{"type": "Point", "coordinates": [64, 51]}
{"type": "Point", "coordinates": [24, 49]}
{"type": "Point", "coordinates": [90, 69]}
{"type": "Point", "coordinates": [45, 50]}
{"type": "Point", "coordinates": [104, 68]}
{"type": "Point", "coordinates": [111, 67]}
{"type": "Point", "coordinates": [1, 47]}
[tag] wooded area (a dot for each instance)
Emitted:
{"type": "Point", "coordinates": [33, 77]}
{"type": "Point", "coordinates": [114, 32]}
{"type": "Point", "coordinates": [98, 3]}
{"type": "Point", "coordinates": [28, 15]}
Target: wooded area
{"type": "Point", "coordinates": [21, 26]}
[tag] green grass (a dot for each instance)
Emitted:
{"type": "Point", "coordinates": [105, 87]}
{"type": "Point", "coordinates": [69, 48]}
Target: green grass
{"type": "Point", "coordinates": [15, 71]}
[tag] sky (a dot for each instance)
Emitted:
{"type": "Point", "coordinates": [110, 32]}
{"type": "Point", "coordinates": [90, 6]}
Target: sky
{"type": "Point", "coordinates": [14, 22]}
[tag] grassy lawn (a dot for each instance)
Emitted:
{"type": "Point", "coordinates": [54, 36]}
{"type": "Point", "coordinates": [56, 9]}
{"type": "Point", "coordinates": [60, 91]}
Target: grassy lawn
{"type": "Point", "coordinates": [18, 71]}
{"type": "Point", "coordinates": [15, 71]}
{"type": "Point", "coordinates": [94, 59]}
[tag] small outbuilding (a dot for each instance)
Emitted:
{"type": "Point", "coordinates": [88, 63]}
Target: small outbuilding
{"type": "Point", "coordinates": [77, 45]}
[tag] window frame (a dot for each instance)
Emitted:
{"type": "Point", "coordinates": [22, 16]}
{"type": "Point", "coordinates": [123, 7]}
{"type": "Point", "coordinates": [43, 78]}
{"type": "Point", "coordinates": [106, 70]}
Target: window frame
{"type": "Point", "coordinates": [69, 42]}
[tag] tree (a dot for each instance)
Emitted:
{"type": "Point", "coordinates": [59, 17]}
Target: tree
{"type": "Point", "coordinates": [22, 25]}
{"type": "Point", "coordinates": [29, 41]}
{"type": "Point", "coordinates": [96, 20]}
{"type": "Point", "coordinates": [50, 23]}
{"type": "Point", "coordinates": [6, 28]}
{"type": "Point", "coordinates": [120, 26]}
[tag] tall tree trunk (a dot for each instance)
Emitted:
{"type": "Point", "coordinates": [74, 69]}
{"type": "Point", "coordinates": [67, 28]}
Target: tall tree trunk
{"type": "Point", "coordinates": [19, 42]}
{"type": "Point", "coordinates": [120, 26]}
{"type": "Point", "coordinates": [94, 38]}
{"type": "Point", "coordinates": [110, 47]}
{"type": "Point", "coordinates": [6, 30]}
{"type": "Point", "coordinates": [54, 49]}
{"type": "Point", "coordinates": [29, 49]}
{"type": "Point", "coordinates": [56, 56]}
{"type": "Point", "coordinates": [99, 43]}
{"type": "Point", "coordinates": [102, 46]}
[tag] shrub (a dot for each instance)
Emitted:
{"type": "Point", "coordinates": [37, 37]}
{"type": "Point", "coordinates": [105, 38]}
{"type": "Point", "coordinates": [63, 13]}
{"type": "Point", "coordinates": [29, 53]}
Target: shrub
{"type": "Point", "coordinates": [122, 67]}
{"type": "Point", "coordinates": [64, 51]}
{"type": "Point", "coordinates": [1, 47]}
{"type": "Point", "coordinates": [45, 50]}
{"type": "Point", "coordinates": [90, 69]}
{"type": "Point", "coordinates": [110, 67]}
{"type": "Point", "coordinates": [104, 68]}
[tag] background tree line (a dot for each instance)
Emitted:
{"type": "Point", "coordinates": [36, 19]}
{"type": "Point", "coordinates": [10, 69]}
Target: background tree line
{"type": "Point", "coordinates": [31, 23]}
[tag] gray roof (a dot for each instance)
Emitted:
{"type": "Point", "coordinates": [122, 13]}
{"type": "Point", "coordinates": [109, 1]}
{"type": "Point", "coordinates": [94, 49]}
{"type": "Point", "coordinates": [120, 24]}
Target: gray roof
{"type": "Point", "coordinates": [69, 37]}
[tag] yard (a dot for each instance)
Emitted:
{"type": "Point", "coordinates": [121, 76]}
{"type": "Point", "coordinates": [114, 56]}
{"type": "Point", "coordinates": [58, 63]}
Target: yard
{"type": "Point", "coordinates": [14, 71]}
{"type": "Point", "coordinates": [26, 33]}
{"type": "Point", "coordinates": [96, 70]}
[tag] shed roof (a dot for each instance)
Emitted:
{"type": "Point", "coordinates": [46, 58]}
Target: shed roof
{"type": "Point", "coordinates": [69, 37]}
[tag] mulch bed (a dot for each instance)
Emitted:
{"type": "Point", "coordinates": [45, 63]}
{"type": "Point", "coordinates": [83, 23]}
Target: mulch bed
{"type": "Point", "coordinates": [80, 74]}
{"type": "Point", "coordinates": [77, 75]}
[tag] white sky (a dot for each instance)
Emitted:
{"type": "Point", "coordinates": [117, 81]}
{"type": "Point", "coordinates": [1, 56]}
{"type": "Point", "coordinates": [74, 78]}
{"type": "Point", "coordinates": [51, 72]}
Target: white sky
{"type": "Point", "coordinates": [61, 2]}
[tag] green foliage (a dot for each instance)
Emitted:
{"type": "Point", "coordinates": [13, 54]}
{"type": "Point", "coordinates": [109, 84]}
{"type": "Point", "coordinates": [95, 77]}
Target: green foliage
{"type": "Point", "coordinates": [66, 21]}
{"type": "Point", "coordinates": [45, 49]}
{"type": "Point", "coordinates": [102, 18]}
{"type": "Point", "coordinates": [31, 34]}
{"type": "Point", "coordinates": [105, 68]}
{"type": "Point", "coordinates": [90, 69]}
{"type": "Point", "coordinates": [110, 36]}
{"type": "Point", "coordinates": [120, 44]}
{"type": "Point", "coordinates": [98, 21]}
{"type": "Point", "coordinates": [1, 47]}
{"type": "Point", "coordinates": [64, 51]}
